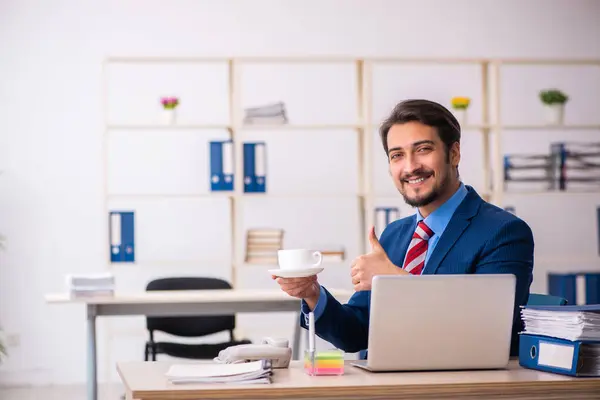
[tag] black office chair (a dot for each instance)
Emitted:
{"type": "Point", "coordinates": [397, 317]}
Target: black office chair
{"type": "Point", "coordinates": [189, 326]}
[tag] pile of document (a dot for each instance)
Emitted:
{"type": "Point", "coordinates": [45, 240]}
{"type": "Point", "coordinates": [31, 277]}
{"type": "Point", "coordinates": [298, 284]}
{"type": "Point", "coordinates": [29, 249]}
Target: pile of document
{"type": "Point", "coordinates": [101, 284]}
{"type": "Point", "coordinates": [563, 322]}
{"type": "Point", "coordinates": [262, 245]}
{"type": "Point", "coordinates": [561, 339]}
{"type": "Point", "coordinates": [274, 113]}
{"type": "Point", "coordinates": [247, 372]}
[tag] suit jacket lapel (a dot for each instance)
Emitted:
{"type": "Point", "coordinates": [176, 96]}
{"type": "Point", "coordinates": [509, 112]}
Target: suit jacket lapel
{"type": "Point", "coordinates": [406, 236]}
{"type": "Point", "coordinates": [458, 223]}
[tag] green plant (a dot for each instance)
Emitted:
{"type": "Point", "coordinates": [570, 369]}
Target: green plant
{"type": "Point", "coordinates": [553, 96]}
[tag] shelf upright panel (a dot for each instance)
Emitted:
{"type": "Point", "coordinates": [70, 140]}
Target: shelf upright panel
{"type": "Point", "coordinates": [365, 113]}
{"type": "Point", "coordinates": [497, 159]}
{"type": "Point", "coordinates": [238, 187]}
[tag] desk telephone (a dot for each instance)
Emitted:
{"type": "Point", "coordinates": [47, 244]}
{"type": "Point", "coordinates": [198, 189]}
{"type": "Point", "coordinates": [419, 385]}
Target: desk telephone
{"type": "Point", "coordinates": [276, 350]}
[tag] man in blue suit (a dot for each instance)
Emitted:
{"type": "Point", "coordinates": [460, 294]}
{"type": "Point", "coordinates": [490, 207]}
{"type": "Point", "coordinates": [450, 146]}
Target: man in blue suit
{"type": "Point", "coordinates": [454, 231]}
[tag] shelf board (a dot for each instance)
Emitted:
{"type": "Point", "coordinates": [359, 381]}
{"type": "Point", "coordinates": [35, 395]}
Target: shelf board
{"type": "Point", "coordinates": [170, 263]}
{"type": "Point", "coordinates": [463, 128]}
{"type": "Point", "coordinates": [301, 195]}
{"type": "Point", "coordinates": [347, 59]}
{"type": "Point", "coordinates": [296, 127]}
{"type": "Point", "coordinates": [565, 193]}
{"type": "Point", "coordinates": [238, 195]}
{"type": "Point", "coordinates": [546, 61]}
{"type": "Point", "coordinates": [257, 127]}
{"type": "Point", "coordinates": [264, 266]}
{"type": "Point", "coordinates": [549, 127]}
{"type": "Point", "coordinates": [170, 196]}
{"type": "Point", "coordinates": [425, 60]}
{"type": "Point", "coordinates": [169, 127]}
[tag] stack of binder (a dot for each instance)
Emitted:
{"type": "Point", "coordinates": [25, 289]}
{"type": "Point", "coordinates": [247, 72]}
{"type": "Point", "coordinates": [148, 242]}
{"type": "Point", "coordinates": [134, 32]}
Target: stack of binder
{"type": "Point", "coordinates": [561, 339]}
{"type": "Point", "coordinates": [102, 284]}
{"type": "Point", "coordinates": [274, 113]}
{"type": "Point", "coordinates": [262, 245]}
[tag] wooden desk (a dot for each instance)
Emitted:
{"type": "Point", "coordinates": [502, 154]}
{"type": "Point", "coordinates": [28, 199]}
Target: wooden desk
{"type": "Point", "coordinates": [146, 381]}
{"type": "Point", "coordinates": [180, 303]}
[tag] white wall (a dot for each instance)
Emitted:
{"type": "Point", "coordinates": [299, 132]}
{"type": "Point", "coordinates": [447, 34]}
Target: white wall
{"type": "Point", "coordinates": [51, 122]}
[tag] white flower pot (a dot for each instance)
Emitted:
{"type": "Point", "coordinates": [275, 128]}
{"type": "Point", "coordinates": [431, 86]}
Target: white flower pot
{"type": "Point", "coordinates": [461, 116]}
{"type": "Point", "coordinates": [169, 116]}
{"type": "Point", "coordinates": [554, 113]}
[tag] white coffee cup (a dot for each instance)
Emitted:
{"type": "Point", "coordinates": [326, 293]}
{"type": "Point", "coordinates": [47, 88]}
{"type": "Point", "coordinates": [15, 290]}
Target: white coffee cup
{"type": "Point", "coordinates": [299, 258]}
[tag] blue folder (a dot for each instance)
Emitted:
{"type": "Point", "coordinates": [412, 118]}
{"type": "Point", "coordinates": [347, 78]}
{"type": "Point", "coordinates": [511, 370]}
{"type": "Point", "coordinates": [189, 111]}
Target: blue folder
{"type": "Point", "coordinates": [560, 356]}
{"type": "Point", "coordinates": [221, 165]}
{"type": "Point", "coordinates": [255, 167]}
{"type": "Point", "coordinates": [122, 238]}
{"type": "Point", "coordinates": [568, 307]}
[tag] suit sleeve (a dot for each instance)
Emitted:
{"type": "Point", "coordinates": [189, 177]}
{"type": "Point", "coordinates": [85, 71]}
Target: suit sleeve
{"type": "Point", "coordinates": [511, 251]}
{"type": "Point", "coordinates": [346, 326]}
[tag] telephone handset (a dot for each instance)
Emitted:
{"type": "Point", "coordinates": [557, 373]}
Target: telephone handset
{"type": "Point", "coordinates": [276, 350]}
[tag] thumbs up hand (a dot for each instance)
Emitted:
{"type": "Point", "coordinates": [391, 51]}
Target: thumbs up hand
{"type": "Point", "coordinates": [376, 262]}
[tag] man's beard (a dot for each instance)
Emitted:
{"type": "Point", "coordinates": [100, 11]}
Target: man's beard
{"type": "Point", "coordinates": [431, 197]}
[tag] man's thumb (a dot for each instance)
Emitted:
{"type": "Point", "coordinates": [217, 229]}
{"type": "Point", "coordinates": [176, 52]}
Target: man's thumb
{"type": "Point", "coordinates": [375, 245]}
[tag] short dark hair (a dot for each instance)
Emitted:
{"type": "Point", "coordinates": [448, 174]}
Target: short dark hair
{"type": "Point", "coordinates": [426, 112]}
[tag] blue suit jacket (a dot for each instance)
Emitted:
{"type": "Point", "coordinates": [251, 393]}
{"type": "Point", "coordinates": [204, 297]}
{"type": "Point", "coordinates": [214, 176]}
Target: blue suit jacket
{"type": "Point", "coordinates": [479, 239]}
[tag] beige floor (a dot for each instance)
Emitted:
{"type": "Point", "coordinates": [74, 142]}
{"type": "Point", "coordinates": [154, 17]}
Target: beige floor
{"type": "Point", "coordinates": [105, 392]}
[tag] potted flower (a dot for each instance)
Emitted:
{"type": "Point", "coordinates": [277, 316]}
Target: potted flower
{"type": "Point", "coordinates": [460, 106]}
{"type": "Point", "coordinates": [554, 102]}
{"type": "Point", "coordinates": [169, 105]}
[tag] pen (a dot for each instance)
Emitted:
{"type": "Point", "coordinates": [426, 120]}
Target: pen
{"type": "Point", "coordinates": [311, 331]}
{"type": "Point", "coordinates": [311, 341]}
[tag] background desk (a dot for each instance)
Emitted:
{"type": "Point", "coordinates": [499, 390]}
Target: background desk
{"type": "Point", "coordinates": [146, 381]}
{"type": "Point", "coordinates": [181, 303]}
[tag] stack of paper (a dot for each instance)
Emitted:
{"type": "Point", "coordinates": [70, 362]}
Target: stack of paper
{"type": "Point", "coordinates": [248, 372]}
{"type": "Point", "coordinates": [274, 113]}
{"type": "Point", "coordinates": [102, 284]}
{"type": "Point", "coordinates": [262, 245]}
{"type": "Point", "coordinates": [564, 322]}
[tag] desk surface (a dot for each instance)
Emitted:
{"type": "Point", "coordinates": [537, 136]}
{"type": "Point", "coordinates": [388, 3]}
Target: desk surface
{"type": "Point", "coordinates": [187, 296]}
{"type": "Point", "coordinates": [146, 381]}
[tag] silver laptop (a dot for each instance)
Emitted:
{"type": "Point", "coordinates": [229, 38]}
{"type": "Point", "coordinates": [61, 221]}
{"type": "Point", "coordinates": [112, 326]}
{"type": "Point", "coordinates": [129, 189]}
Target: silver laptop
{"type": "Point", "coordinates": [440, 322]}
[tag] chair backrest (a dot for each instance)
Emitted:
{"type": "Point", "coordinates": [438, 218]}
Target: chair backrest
{"type": "Point", "coordinates": [536, 299]}
{"type": "Point", "coordinates": [190, 326]}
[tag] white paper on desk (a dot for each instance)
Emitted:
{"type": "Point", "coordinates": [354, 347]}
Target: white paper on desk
{"type": "Point", "coordinates": [213, 370]}
{"type": "Point", "coordinates": [250, 372]}
{"type": "Point", "coordinates": [237, 379]}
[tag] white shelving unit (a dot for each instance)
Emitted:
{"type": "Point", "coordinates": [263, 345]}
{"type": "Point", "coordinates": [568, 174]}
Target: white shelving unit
{"type": "Point", "coordinates": [482, 79]}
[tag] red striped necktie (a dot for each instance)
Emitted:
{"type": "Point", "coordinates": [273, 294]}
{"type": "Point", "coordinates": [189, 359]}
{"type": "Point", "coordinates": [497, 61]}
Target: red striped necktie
{"type": "Point", "coordinates": [417, 250]}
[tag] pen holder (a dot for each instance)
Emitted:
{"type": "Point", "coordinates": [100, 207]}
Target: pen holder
{"type": "Point", "coordinates": [330, 362]}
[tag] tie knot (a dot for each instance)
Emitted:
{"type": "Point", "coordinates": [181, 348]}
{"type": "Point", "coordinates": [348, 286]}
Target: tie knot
{"type": "Point", "coordinates": [423, 231]}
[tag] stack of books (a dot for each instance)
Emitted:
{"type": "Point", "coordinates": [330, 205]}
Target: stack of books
{"type": "Point", "coordinates": [262, 245]}
{"type": "Point", "coordinates": [85, 285]}
{"type": "Point", "coordinates": [331, 253]}
{"type": "Point", "coordinates": [274, 113]}
{"type": "Point", "coordinates": [248, 372]}
{"type": "Point", "coordinates": [561, 339]}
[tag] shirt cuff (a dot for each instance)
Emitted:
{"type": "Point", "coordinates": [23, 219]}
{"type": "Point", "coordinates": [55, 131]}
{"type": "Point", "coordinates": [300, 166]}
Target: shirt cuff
{"type": "Point", "coordinates": [319, 307]}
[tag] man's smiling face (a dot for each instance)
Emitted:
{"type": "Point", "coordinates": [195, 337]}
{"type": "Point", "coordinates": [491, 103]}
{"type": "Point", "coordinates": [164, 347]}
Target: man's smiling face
{"type": "Point", "coordinates": [422, 170]}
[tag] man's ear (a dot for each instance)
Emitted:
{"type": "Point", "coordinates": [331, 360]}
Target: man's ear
{"type": "Point", "coordinates": [455, 154]}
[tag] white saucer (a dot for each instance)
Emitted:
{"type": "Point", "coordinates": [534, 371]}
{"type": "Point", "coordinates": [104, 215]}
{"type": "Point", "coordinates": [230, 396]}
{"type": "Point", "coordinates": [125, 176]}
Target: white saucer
{"type": "Point", "coordinates": [296, 273]}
